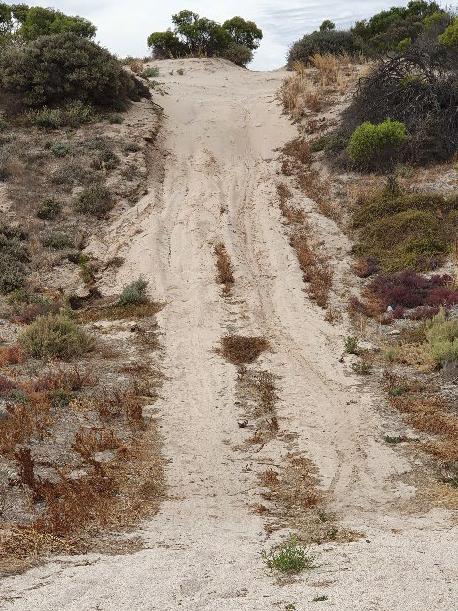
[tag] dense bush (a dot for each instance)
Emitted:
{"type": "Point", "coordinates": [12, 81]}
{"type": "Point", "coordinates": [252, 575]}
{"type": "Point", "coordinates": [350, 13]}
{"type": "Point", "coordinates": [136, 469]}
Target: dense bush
{"type": "Point", "coordinates": [371, 143]}
{"type": "Point", "coordinates": [406, 231]}
{"type": "Point", "coordinates": [196, 36]}
{"type": "Point", "coordinates": [55, 336]}
{"type": "Point", "coordinates": [417, 87]}
{"type": "Point", "coordinates": [237, 54]}
{"type": "Point", "coordinates": [335, 42]}
{"type": "Point", "coordinates": [13, 259]}
{"type": "Point", "coordinates": [387, 29]}
{"type": "Point", "coordinates": [61, 68]}
{"type": "Point", "coordinates": [96, 199]}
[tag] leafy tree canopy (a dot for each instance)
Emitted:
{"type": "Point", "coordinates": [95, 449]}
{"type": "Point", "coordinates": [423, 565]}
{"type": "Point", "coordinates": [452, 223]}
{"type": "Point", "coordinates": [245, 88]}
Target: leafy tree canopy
{"type": "Point", "coordinates": [28, 23]}
{"type": "Point", "coordinates": [197, 36]}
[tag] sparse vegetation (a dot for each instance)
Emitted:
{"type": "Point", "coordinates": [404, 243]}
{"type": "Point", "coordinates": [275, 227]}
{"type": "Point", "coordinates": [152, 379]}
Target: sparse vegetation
{"type": "Point", "coordinates": [351, 345]}
{"type": "Point", "coordinates": [58, 241]}
{"type": "Point", "coordinates": [13, 259]}
{"type": "Point", "coordinates": [49, 209]}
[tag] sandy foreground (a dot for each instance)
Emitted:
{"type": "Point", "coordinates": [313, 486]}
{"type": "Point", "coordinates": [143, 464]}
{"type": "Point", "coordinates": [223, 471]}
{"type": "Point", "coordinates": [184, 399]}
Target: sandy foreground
{"type": "Point", "coordinates": [202, 551]}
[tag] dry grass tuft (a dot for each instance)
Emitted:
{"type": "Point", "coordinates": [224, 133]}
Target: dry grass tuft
{"type": "Point", "coordinates": [225, 274]}
{"type": "Point", "coordinates": [315, 269]}
{"type": "Point", "coordinates": [119, 312]}
{"type": "Point", "coordinates": [239, 349]}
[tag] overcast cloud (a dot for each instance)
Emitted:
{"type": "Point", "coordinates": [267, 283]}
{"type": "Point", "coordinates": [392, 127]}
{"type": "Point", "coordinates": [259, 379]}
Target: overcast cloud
{"type": "Point", "coordinates": [124, 26]}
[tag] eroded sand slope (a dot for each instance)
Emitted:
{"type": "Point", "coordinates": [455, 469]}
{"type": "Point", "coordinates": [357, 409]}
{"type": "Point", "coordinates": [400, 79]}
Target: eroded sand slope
{"type": "Point", "coordinates": [221, 127]}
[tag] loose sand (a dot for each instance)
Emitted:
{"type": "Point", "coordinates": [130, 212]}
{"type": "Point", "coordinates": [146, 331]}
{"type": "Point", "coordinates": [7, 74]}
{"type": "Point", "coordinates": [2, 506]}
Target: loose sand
{"type": "Point", "coordinates": [202, 551]}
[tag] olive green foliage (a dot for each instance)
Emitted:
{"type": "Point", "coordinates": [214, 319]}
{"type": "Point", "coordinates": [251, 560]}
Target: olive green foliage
{"type": "Point", "coordinates": [151, 72]}
{"type": "Point", "coordinates": [134, 293]}
{"type": "Point", "coordinates": [49, 210]}
{"type": "Point", "coordinates": [60, 149]}
{"type": "Point", "coordinates": [385, 30]}
{"type": "Point", "coordinates": [13, 259]}
{"type": "Point", "coordinates": [73, 114]}
{"type": "Point", "coordinates": [406, 231]}
{"type": "Point", "coordinates": [237, 54]}
{"type": "Point", "coordinates": [55, 336]}
{"type": "Point", "coordinates": [449, 38]}
{"type": "Point", "coordinates": [327, 26]}
{"type": "Point", "coordinates": [334, 42]}
{"type": "Point", "coordinates": [96, 200]}
{"type": "Point", "coordinates": [290, 557]}
{"type": "Point", "coordinates": [195, 36]}
{"type": "Point", "coordinates": [442, 339]}
{"type": "Point", "coordinates": [58, 240]}
{"type": "Point", "coordinates": [24, 23]}
{"type": "Point", "coordinates": [61, 68]}
{"type": "Point", "coordinates": [371, 143]}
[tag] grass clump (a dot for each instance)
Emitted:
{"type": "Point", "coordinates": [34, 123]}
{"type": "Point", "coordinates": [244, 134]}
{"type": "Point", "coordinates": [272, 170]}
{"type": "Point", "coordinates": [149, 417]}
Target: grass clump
{"type": "Point", "coordinates": [289, 557]}
{"type": "Point", "coordinates": [379, 144]}
{"type": "Point", "coordinates": [351, 345]}
{"type": "Point", "coordinates": [134, 293]}
{"type": "Point", "coordinates": [49, 210]}
{"type": "Point", "coordinates": [73, 114]}
{"type": "Point", "coordinates": [239, 349]}
{"type": "Point", "coordinates": [55, 336]}
{"type": "Point", "coordinates": [60, 149]}
{"type": "Point", "coordinates": [96, 200]}
{"type": "Point", "coordinates": [442, 339]}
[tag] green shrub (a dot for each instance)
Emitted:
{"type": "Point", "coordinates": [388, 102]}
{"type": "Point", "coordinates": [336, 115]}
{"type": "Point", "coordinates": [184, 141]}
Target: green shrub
{"type": "Point", "coordinates": [351, 345]}
{"type": "Point", "coordinates": [134, 293]}
{"type": "Point", "coordinates": [240, 55]}
{"type": "Point", "coordinates": [96, 199]}
{"type": "Point", "coordinates": [58, 241]}
{"type": "Point", "coordinates": [47, 118]}
{"type": "Point", "coordinates": [60, 149]}
{"type": "Point", "coordinates": [376, 143]}
{"type": "Point", "coordinates": [13, 259]}
{"type": "Point", "coordinates": [442, 339]}
{"type": "Point", "coordinates": [49, 210]}
{"type": "Point", "coordinates": [449, 38]}
{"type": "Point", "coordinates": [65, 67]}
{"type": "Point", "coordinates": [289, 557]}
{"type": "Point", "coordinates": [151, 72]}
{"type": "Point", "coordinates": [55, 336]}
{"type": "Point", "coordinates": [329, 41]}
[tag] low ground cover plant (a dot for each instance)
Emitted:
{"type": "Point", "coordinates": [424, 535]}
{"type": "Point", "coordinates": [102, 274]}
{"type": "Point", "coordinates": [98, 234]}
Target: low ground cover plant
{"type": "Point", "coordinates": [240, 349]}
{"type": "Point", "coordinates": [406, 230]}
{"type": "Point", "coordinates": [96, 200]}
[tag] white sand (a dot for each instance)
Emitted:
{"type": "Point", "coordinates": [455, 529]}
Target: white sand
{"type": "Point", "coordinates": [202, 550]}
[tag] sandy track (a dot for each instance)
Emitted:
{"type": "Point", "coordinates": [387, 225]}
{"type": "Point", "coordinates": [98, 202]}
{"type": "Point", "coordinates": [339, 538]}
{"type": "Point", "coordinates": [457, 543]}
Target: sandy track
{"type": "Point", "coordinates": [221, 127]}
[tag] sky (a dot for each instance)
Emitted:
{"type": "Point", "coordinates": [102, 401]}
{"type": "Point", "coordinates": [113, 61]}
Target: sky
{"type": "Point", "coordinates": [124, 26]}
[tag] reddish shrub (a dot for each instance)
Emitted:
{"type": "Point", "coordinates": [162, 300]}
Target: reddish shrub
{"type": "Point", "coordinates": [366, 267]}
{"type": "Point", "coordinates": [411, 290]}
{"type": "Point", "coordinates": [423, 312]}
{"type": "Point", "coordinates": [6, 384]}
